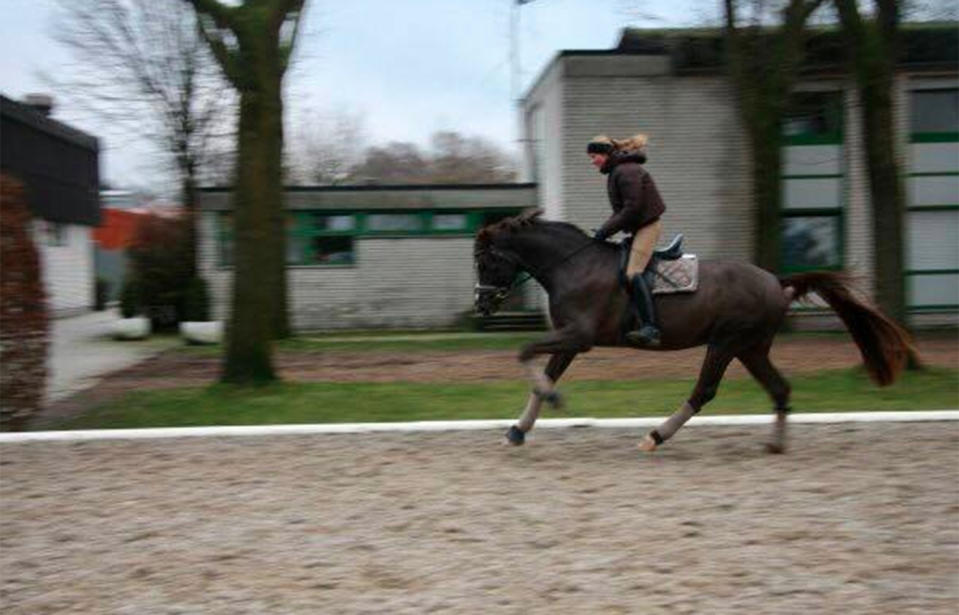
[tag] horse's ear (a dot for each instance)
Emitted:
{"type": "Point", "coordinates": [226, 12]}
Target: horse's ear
{"type": "Point", "coordinates": [484, 236]}
{"type": "Point", "coordinates": [529, 216]}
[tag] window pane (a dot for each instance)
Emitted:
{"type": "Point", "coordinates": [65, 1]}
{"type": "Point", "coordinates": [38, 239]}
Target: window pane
{"type": "Point", "coordinates": [338, 223]}
{"type": "Point", "coordinates": [811, 241]}
{"type": "Point", "coordinates": [934, 190]}
{"type": "Point", "coordinates": [449, 222]}
{"type": "Point", "coordinates": [933, 240]}
{"type": "Point", "coordinates": [394, 222]}
{"type": "Point", "coordinates": [294, 249]}
{"type": "Point", "coordinates": [812, 193]}
{"type": "Point", "coordinates": [813, 114]}
{"type": "Point", "coordinates": [934, 110]}
{"type": "Point", "coordinates": [332, 250]}
{"type": "Point", "coordinates": [941, 289]}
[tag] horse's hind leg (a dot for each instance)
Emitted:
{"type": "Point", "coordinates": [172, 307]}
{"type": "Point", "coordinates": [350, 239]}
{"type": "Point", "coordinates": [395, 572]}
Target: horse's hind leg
{"type": "Point", "coordinates": [554, 370]}
{"type": "Point", "coordinates": [714, 366]}
{"type": "Point", "coordinates": [757, 362]}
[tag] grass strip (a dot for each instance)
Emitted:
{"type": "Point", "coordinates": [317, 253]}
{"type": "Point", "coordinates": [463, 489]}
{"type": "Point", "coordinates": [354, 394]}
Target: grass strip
{"type": "Point", "coordinates": [334, 402]}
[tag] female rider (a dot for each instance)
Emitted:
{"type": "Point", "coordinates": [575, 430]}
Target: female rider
{"type": "Point", "coordinates": [637, 207]}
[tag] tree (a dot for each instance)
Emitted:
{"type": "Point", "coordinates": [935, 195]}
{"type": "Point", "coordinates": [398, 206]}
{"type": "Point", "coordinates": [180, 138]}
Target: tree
{"type": "Point", "coordinates": [142, 65]}
{"type": "Point", "coordinates": [253, 42]}
{"type": "Point", "coordinates": [872, 45]}
{"type": "Point", "coordinates": [453, 159]}
{"type": "Point", "coordinates": [327, 146]}
{"type": "Point", "coordinates": [763, 63]}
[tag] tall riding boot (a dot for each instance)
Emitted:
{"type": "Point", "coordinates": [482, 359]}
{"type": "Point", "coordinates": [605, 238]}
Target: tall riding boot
{"type": "Point", "coordinates": [647, 334]}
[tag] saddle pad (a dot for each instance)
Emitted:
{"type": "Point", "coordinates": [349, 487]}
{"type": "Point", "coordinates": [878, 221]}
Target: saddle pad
{"type": "Point", "coordinates": [676, 276]}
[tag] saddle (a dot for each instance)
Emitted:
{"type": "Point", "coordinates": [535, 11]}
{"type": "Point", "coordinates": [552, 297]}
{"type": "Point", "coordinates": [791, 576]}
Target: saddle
{"type": "Point", "coordinates": [669, 270]}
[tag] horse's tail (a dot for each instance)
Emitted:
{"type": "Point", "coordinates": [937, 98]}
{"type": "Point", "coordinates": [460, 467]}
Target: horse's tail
{"type": "Point", "coordinates": [885, 346]}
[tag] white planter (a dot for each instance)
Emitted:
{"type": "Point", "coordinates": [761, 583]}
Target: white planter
{"type": "Point", "coordinates": [200, 332]}
{"type": "Point", "coordinates": [136, 328]}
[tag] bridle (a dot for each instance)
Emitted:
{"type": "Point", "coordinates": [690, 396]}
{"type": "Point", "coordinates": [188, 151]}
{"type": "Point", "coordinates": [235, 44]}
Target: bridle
{"type": "Point", "coordinates": [501, 292]}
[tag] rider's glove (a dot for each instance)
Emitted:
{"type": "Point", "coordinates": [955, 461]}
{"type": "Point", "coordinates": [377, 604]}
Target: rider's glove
{"type": "Point", "coordinates": [600, 235]}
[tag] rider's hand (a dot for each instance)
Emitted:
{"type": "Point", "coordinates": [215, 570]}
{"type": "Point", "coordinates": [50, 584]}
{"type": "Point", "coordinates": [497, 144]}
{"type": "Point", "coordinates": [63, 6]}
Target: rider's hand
{"type": "Point", "coordinates": [599, 235]}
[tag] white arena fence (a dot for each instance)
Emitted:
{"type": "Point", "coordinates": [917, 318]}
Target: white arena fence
{"type": "Point", "coordinates": [427, 426]}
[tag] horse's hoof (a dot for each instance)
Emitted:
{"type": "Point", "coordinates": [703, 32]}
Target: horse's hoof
{"type": "Point", "coordinates": [775, 449]}
{"type": "Point", "coordinates": [647, 444]}
{"type": "Point", "coordinates": [515, 436]}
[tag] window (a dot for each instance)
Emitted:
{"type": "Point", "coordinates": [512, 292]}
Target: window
{"type": "Point", "coordinates": [811, 242]}
{"type": "Point", "coordinates": [934, 111]}
{"type": "Point", "coordinates": [813, 117]}
{"type": "Point", "coordinates": [53, 234]}
{"type": "Point", "coordinates": [394, 223]}
{"type": "Point", "coordinates": [320, 238]}
{"type": "Point", "coordinates": [812, 182]}
{"type": "Point", "coordinates": [450, 222]}
{"type": "Point", "coordinates": [932, 221]}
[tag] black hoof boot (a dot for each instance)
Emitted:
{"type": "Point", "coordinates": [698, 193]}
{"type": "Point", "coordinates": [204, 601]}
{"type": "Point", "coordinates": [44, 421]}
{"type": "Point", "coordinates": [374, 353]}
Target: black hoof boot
{"type": "Point", "coordinates": [515, 436]}
{"type": "Point", "coordinates": [647, 337]}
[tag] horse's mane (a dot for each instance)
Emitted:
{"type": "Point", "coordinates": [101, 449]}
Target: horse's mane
{"type": "Point", "coordinates": [527, 219]}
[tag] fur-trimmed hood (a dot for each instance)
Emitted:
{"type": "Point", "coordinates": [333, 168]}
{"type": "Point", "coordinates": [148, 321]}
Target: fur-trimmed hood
{"type": "Point", "coordinates": [619, 157]}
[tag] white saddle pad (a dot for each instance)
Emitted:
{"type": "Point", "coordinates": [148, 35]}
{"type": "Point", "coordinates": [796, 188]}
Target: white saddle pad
{"type": "Point", "coordinates": [677, 276]}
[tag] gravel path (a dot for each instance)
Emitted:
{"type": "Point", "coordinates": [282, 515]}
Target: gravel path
{"type": "Point", "coordinates": [855, 519]}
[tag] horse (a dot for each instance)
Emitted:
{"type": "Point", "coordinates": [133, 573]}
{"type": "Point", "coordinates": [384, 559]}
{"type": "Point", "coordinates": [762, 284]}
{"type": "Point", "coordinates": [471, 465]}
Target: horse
{"type": "Point", "coordinates": [736, 311]}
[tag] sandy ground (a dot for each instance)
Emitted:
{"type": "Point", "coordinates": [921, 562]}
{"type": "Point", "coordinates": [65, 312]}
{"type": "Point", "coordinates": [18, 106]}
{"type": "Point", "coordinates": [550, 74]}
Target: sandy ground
{"type": "Point", "coordinates": [855, 519]}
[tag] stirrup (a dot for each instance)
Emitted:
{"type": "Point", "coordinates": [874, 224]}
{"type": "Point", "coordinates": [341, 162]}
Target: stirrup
{"type": "Point", "coordinates": [647, 335]}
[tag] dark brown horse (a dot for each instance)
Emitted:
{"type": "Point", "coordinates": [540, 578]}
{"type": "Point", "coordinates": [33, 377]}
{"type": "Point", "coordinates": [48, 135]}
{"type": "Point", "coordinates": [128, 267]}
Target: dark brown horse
{"type": "Point", "coordinates": [735, 312]}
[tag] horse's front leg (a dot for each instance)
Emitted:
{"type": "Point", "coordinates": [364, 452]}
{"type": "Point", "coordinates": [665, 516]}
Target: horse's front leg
{"type": "Point", "coordinates": [554, 370]}
{"type": "Point", "coordinates": [563, 344]}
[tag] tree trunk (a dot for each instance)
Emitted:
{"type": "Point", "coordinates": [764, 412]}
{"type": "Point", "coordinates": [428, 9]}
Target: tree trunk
{"type": "Point", "coordinates": [872, 47]}
{"type": "Point", "coordinates": [249, 339]}
{"type": "Point", "coordinates": [767, 191]}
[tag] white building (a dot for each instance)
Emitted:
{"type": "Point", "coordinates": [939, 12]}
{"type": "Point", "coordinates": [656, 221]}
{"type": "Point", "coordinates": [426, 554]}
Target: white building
{"type": "Point", "coordinates": [59, 167]}
{"type": "Point", "coordinates": [369, 256]}
{"type": "Point", "coordinates": [671, 85]}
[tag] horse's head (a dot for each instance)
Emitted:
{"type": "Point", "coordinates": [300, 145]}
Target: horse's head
{"type": "Point", "coordinates": [495, 271]}
{"type": "Point", "coordinates": [496, 265]}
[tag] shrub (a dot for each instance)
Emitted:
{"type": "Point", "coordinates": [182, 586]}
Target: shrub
{"type": "Point", "coordinates": [160, 259]}
{"type": "Point", "coordinates": [131, 302]}
{"type": "Point", "coordinates": [24, 321]}
{"type": "Point", "coordinates": [101, 294]}
{"type": "Point", "coordinates": [196, 301]}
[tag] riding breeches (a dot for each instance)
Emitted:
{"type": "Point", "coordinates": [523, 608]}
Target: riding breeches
{"type": "Point", "coordinates": [644, 242]}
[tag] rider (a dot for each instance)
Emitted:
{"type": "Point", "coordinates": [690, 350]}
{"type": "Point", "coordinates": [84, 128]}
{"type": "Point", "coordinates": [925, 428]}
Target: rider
{"type": "Point", "coordinates": [637, 207]}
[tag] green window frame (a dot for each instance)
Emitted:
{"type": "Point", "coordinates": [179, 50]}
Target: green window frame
{"type": "Point", "coordinates": [321, 238]}
{"type": "Point", "coordinates": [328, 238]}
{"type": "Point", "coordinates": [813, 233]}
{"type": "Point", "coordinates": [928, 128]}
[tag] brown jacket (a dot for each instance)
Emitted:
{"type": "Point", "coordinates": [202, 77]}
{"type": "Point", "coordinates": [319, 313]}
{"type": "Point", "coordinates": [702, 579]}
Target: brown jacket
{"type": "Point", "coordinates": [632, 194]}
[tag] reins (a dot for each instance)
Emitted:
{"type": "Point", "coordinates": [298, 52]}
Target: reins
{"type": "Point", "coordinates": [529, 276]}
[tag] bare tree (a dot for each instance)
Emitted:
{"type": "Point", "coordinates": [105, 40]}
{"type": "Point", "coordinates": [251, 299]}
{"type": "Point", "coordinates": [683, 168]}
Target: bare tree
{"type": "Point", "coordinates": [453, 159]}
{"type": "Point", "coordinates": [326, 146]}
{"type": "Point", "coordinates": [872, 43]}
{"type": "Point", "coordinates": [253, 43]}
{"type": "Point", "coordinates": [763, 62]}
{"type": "Point", "coordinates": [142, 66]}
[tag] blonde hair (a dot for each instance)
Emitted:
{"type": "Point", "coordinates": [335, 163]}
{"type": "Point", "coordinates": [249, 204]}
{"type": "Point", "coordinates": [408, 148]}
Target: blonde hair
{"type": "Point", "coordinates": [636, 142]}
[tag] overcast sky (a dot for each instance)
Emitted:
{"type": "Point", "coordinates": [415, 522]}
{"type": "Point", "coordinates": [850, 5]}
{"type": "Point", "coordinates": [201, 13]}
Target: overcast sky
{"type": "Point", "coordinates": [408, 68]}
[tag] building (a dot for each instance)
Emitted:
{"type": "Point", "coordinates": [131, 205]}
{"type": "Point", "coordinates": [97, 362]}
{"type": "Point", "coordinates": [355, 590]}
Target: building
{"type": "Point", "coordinates": [671, 85]}
{"type": "Point", "coordinates": [369, 256]}
{"type": "Point", "coordinates": [59, 167]}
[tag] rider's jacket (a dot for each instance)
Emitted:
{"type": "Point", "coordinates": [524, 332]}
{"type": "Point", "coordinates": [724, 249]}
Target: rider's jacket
{"type": "Point", "coordinates": [632, 193]}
